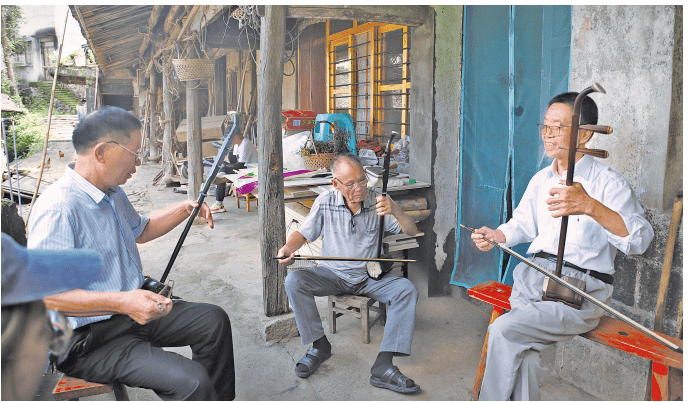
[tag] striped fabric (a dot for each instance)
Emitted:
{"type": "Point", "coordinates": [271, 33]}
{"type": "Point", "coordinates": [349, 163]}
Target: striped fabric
{"type": "Point", "coordinates": [72, 213]}
{"type": "Point", "coordinates": [345, 234]}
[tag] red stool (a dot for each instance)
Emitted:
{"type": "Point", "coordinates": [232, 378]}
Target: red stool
{"type": "Point", "coordinates": [70, 388]}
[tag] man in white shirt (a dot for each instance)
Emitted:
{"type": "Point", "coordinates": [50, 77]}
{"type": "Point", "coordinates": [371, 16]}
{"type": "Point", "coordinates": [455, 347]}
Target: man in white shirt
{"type": "Point", "coordinates": [245, 152]}
{"type": "Point", "coordinates": [605, 217]}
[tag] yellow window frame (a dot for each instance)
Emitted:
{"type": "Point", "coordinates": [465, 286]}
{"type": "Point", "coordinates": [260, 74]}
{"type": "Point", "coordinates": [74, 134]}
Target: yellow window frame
{"type": "Point", "coordinates": [375, 51]}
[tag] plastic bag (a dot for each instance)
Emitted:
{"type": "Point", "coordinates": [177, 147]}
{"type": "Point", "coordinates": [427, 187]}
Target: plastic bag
{"type": "Point", "coordinates": [403, 145]}
{"type": "Point", "coordinates": [368, 157]}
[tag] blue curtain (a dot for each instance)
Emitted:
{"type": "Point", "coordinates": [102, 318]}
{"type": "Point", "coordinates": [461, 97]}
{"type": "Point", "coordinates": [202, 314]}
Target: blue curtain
{"type": "Point", "coordinates": [515, 59]}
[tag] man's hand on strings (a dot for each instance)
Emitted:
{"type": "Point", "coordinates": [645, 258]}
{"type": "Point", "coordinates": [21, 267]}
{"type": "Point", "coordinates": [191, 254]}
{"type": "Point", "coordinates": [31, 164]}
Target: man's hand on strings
{"type": "Point", "coordinates": [570, 200]}
{"type": "Point", "coordinates": [491, 234]}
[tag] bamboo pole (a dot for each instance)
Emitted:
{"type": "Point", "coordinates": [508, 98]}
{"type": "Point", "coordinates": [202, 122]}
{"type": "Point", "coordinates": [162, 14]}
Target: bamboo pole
{"type": "Point", "coordinates": [50, 116]}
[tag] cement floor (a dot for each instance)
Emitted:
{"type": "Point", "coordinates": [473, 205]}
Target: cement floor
{"type": "Point", "coordinates": [222, 266]}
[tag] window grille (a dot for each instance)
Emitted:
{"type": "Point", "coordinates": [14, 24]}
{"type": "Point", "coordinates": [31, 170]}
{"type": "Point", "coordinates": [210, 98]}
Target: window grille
{"type": "Point", "coordinates": [368, 77]}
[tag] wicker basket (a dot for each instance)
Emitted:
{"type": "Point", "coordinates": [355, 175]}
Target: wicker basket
{"type": "Point", "coordinates": [316, 162]}
{"type": "Point", "coordinates": [194, 69]}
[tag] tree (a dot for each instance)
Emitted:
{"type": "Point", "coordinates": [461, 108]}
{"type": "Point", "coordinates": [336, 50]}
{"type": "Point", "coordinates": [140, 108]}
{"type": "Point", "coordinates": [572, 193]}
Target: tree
{"type": "Point", "coordinates": [12, 43]}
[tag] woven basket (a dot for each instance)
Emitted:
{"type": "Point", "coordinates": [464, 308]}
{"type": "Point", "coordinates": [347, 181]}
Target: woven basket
{"type": "Point", "coordinates": [194, 69]}
{"type": "Point", "coordinates": [316, 162]}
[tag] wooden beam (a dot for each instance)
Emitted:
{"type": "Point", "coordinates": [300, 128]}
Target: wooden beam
{"type": "Point", "coordinates": [272, 204]}
{"type": "Point", "coordinates": [219, 87]}
{"type": "Point", "coordinates": [155, 16]}
{"type": "Point", "coordinates": [413, 16]}
{"type": "Point", "coordinates": [173, 16]}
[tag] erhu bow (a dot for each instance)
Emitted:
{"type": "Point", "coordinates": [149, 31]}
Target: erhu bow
{"type": "Point", "coordinates": [593, 300]}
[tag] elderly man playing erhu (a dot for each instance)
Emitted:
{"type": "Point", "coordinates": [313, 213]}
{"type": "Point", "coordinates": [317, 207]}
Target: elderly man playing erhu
{"type": "Point", "coordinates": [121, 329]}
{"type": "Point", "coordinates": [347, 218]}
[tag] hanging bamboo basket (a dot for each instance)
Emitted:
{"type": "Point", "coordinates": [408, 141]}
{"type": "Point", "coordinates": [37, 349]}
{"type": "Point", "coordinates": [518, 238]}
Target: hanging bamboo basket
{"type": "Point", "coordinates": [194, 69]}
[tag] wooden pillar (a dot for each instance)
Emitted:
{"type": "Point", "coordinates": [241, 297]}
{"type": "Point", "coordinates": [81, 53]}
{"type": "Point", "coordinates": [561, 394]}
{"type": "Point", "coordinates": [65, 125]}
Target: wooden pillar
{"type": "Point", "coordinates": [169, 122]}
{"type": "Point", "coordinates": [153, 100]}
{"type": "Point", "coordinates": [194, 155]}
{"type": "Point", "coordinates": [219, 84]}
{"type": "Point", "coordinates": [271, 201]}
{"type": "Point", "coordinates": [252, 104]}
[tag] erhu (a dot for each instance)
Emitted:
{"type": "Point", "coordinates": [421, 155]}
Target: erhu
{"type": "Point", "coordinates": [161, 287]}
{"type": "Point", "coordinates": [554, 291]}
{"type": "Point", "coordinates": [380, 266]}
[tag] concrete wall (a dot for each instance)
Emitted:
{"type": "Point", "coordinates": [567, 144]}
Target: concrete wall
{"type": "Point", "coordinates": [73, 37]}
{"type": "Point", "coordinates": [39, 18]}
{"type": "Point", "coordinates": [436, 55]}
{"type": "Point", "coordinates": [421, 135]}
{"type": "Point", "coordinates": [447, 86]}
{"type": "Point", "coordinates": [36, 18]}
{"type": "Point", "coordinates": [633, 53]}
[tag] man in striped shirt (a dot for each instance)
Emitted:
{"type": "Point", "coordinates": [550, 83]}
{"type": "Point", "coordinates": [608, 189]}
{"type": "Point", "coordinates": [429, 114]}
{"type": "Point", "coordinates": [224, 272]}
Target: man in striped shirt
{"type": "Point", "coordinates": [120, 329]}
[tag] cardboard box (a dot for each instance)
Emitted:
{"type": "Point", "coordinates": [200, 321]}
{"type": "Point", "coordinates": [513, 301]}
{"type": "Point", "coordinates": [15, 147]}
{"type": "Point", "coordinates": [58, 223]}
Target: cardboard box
{"type": "Point", "coordinates": [212, 129]}
{"type": "Point", "coordinates": [298, 119]}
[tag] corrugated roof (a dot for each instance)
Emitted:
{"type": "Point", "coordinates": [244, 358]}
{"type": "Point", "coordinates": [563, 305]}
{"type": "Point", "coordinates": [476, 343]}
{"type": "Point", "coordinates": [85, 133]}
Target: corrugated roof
{"type": "Point", "coordinates": [112, 32]}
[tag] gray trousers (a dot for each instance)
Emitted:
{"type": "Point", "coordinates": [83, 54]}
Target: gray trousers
{"type": "Point", "coordinates": [513, 368]}
{"type": "Point", "coordinates": [303, 284]}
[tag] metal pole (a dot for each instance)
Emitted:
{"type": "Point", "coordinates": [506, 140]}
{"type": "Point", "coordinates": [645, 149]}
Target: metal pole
{"type": "Point", "coordinates": [7, 152]}
{"type": "Point", "coordinates": [16, 168]}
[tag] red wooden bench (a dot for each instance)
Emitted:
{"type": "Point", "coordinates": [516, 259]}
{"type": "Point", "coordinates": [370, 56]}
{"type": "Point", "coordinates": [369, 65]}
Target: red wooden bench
{"type": "Point", "coordinates": [70, 388]}
{"type": "Point", "coordinates": [610, 331]}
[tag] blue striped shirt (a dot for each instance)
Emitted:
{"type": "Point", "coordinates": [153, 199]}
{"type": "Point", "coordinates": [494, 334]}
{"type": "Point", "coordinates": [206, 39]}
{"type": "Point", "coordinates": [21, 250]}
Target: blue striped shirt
{"type": "Point", "coordinates": [73, 213]}
{"type": "Point", "coordinates": [345, 234]}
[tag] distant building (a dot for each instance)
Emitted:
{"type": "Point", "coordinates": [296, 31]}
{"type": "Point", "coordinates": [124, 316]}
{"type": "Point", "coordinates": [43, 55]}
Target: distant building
{"type": "Point", "coordinates": [42, 28]}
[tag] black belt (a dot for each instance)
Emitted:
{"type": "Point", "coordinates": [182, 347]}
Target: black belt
{"type": "Point", "coordinates": [606, 278]}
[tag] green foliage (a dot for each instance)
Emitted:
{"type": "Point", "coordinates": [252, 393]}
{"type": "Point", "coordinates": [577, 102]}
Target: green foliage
{"type": "Point", "coordinates": [30, 129]}
{"type": "Point", "coordinates": [13, 17]}
{"type": "Point", "coordinates": [7, 90]}
{"type": "Point", "coordinates": [6, 83]}
{"type": "Point", "coordinates": [71, 59]}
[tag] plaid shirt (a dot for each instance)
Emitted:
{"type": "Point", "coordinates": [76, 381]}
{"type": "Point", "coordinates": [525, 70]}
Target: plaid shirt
{"type": "Point", "coordinates": [345, 234]}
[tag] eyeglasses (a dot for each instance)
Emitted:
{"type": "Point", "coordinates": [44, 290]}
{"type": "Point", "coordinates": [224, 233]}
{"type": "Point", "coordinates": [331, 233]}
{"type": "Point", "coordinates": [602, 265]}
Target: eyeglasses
{"type": "Point", "coordinates": [361, 183]}
{"type": "Point", "coordinates": [62, 332]}
{"type": "Point", "coordinates": [553, 131]}
{"type": "Point", "coordinates": [136, 155]}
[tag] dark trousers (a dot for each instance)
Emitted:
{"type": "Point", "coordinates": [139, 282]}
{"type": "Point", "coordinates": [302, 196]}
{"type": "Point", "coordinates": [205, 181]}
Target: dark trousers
{"type": "Point", "coordinates": [221, 190]}
{"type": "Point", "coordinates": [132, 354]}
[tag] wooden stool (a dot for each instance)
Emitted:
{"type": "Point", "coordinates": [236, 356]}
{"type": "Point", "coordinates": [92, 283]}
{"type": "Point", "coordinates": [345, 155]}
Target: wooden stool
{"type": "Point", "coordinates": [357, 306]}
{"type": "Point", "coordinates": [610, 331]}
{"type": "Point", "coordinates": [70, 388]}
{"type": "Point", "coordinates": [249, 197]}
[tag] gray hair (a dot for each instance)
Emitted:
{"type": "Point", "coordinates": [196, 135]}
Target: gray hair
{"type": "Point", "coordinates": [343, 158]}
